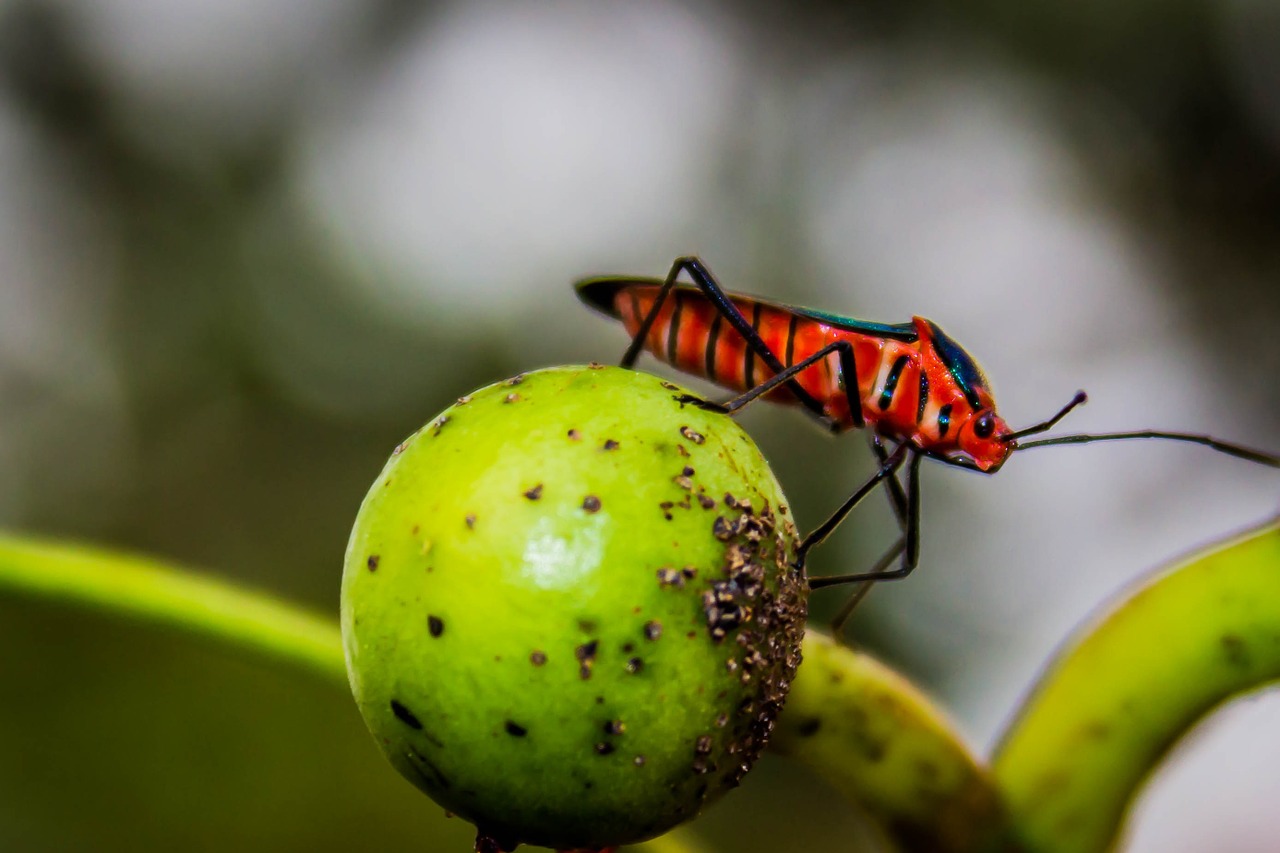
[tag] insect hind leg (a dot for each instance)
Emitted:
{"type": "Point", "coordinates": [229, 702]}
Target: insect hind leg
{"type": "Point", "coordinates": [705, 281]}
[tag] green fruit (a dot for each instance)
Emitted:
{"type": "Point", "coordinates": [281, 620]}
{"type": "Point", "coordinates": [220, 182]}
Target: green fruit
{"type": "Point", "coordinates": [568, 608]}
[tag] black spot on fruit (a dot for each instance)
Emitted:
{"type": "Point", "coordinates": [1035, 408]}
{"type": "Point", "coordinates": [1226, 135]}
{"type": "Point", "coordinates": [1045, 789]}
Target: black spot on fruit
{"type": "Point", "coordinates": [372, 562]}
{"type": "Point", "coordinates": [405, 716]}
{"type": "Point", "coordinates": [809, 727]}
{"type": "Point", "coordinates": [435, 625]}
{"type": "Point", "coordinates": [515, 729]}
{"type": "Point", "coordinates": [695, 437]}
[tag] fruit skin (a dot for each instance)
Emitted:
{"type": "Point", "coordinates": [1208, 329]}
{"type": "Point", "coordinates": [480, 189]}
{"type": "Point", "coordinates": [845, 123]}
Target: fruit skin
{"type": "Point", "coordinates": [568, 608]}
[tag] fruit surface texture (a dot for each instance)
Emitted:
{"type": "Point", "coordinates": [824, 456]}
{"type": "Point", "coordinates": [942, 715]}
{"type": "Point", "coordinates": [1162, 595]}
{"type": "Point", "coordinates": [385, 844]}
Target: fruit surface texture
{"type": "Point", "coordinates": [568, 607]}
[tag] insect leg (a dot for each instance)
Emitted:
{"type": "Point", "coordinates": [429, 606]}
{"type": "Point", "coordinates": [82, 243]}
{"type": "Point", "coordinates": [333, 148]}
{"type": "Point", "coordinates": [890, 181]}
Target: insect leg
{"type": "Point", "coordinates": [897, 498]}
{"type": "Point", "coordinates": [898, 501]}
{"type": "Point", "coordinates": [911, 537]}
{"type": "Point", "coordinates": [706, 282]}
{"type": "Point", "coordinates": [820, 534]}
{"type": "Point", "coordinates": [848, 367]}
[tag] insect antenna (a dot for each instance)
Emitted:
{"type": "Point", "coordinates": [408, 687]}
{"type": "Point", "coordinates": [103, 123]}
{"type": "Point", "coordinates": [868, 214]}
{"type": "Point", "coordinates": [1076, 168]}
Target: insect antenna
{"type": "Point", "coordinates": [1087, 438]}
{"type": "Point", "coordinates": [1205, 440]}
{"type": "Point", "coordinates": [1077, 400]}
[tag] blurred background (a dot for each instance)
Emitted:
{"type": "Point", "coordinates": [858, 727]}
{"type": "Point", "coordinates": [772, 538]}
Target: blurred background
{"type": "Point", "coordinates": [246, 247]}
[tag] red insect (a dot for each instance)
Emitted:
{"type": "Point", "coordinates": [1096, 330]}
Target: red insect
{"type": "Point", "coordinates": [908, 383]}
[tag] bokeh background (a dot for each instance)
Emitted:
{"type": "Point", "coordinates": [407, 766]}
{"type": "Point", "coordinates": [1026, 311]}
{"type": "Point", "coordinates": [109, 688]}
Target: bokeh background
{"type": "Point", "coordinates": [247, 246]}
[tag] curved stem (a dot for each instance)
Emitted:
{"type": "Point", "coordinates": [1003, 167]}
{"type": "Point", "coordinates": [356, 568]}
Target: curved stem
{"type": "Point", "coordinates": [1122, 693]}
{"type": "Point", "coordinates": [151, 591]}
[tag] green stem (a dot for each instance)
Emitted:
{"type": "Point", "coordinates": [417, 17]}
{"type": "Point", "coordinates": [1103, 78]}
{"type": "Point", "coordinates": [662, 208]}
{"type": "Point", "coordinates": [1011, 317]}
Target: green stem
{"type": "Point", "coordinates": [153, 592]}
{"type": "Point", "coordinates": [1128, 687]}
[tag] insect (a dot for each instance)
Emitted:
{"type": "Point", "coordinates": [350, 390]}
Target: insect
{"type": "Point", "coordinates": [916, 391]}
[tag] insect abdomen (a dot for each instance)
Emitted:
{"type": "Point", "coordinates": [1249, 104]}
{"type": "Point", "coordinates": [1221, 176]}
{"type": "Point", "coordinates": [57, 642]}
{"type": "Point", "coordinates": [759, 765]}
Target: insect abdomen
{"type": "Point", "coordinates": [690, 334]}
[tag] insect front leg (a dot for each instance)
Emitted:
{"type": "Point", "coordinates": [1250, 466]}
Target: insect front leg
{"type": "Point", "coordinates": [911, 535]}
{"type": "Point", "coordinates": [898, 502]}
{"type": "Point", "coordinates": [820, 534]}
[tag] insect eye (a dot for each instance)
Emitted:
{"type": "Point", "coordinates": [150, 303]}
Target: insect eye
{"type": "Point", "coordinates": [985, 425]}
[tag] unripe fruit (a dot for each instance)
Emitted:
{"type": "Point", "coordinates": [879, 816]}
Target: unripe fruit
{"type": "Point", "coordinates": [568, 608]}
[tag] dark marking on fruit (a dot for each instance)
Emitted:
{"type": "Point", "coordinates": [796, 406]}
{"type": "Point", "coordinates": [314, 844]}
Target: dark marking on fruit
{"type": "Point", "coordinates": [668, 576]}
{"type": "Point", "coordinates": [438, 424]}
{"type": "Point", "coordinates": [681, 450]}
{"type": "Point", "coordinates": [634, 665]}
{"type": "Point", "coordinates": [809, 727]}
{"type": "Point", "coordinates": [515, 729]}
{"type": "Point", "coordinates": [405, 716]}
{"type": "Point", "coordinates": [689, 573]}
{"type": "Point", "coordinates": [702, 746]}
{"type": "Point", "coordinates": [615, 727]}
{"type": "Point", "coordinates": [687, 472]}
{"type": "Point", "coordinates": [574, 435]}
{"type": "Point", "coordinates": [722, 719]}
{"type": "Point", "coordinates": [669, 386]}
{"type": "Point", "coordinates": [695, 437]}
{"type": "Point", "coordinates": [490, 843]}
{"type": "Point", "coordinates": [515, 380]}
{"type": "Point", "coordinates": [591, 503]}
{"type": "Point", "coordinates": [587, 626]}
{"type": "Point", "coordinates": [610, 444]}
{"type": "Point", "coordinates": [372, 562]}
{"type": "Point", "coordinates": [417, 763]}
{"type": "Point", "coordinates": [586, 655]}
{"type": "Point", "coordinates": [534, 493]}
{"type": "Point", "coordinates": [471, 521]}
{"type": "Point", "coordinates": [537, 658]}
{"type": "Point", "coordinates": [513, 397]}
{"type": "Point", "coordinates": [1237, 652]}
{"type": "Point", "coordinates": [435, 625]}
{"type": "Point", "coordinates": [464, 399]}
{"type": "Point", "coordinates": [652, 629]}
{"type": "Point", "coordinates": [707, 501]}
{"type": "Point", "coordinates": [701, 766]}
{"type": "Point", "coordinates": [595, 365]}
{"type": "Point", "coordinates": [683, 482]}
{"type": "Point", "coordinates": [400, 448]}
{"type": "Point", "coordinates": [1097, 730]}
{"type": "Point", "coordinates": [603, 748]}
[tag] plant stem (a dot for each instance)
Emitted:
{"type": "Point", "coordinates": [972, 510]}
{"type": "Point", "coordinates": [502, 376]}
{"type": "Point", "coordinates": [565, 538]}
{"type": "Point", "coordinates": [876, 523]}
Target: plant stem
{"type": "Point", "coordinates": [150, 591]}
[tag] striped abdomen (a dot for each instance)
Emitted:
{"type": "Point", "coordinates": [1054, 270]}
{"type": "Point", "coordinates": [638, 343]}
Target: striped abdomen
{"type": "Point", "coordinates": [690, 334]}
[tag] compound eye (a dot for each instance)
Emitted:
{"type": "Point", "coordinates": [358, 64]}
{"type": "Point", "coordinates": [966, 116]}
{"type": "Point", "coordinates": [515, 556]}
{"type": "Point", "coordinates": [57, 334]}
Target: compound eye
{"type": "Point", "coordinates": [985, 425]}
